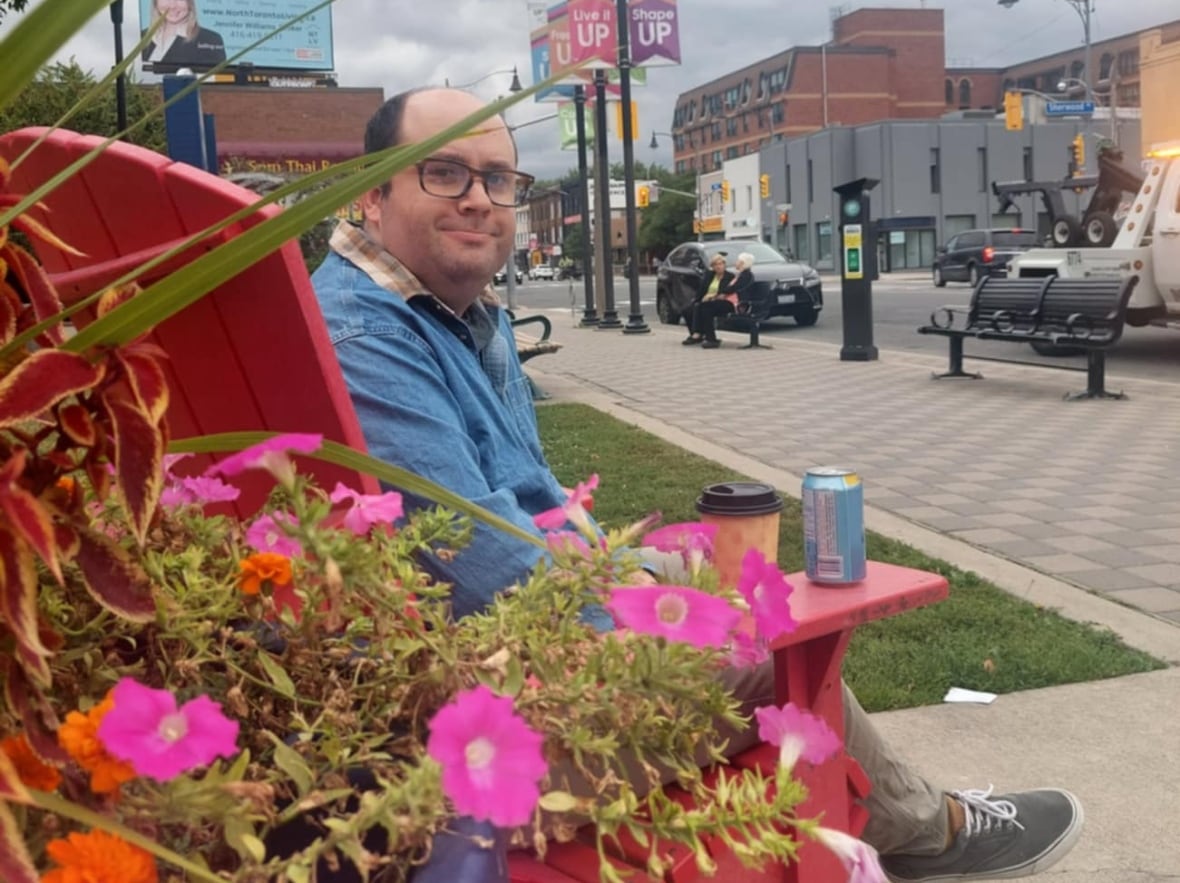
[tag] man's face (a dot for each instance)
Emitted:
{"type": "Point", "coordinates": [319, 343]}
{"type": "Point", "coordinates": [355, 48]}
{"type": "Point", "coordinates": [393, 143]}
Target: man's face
{"type": "Point", "coordinates": [454, 246]}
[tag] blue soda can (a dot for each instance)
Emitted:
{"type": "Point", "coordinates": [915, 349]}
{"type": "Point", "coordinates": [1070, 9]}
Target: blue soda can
{"type": "Point", "coordinates": [833, 525]}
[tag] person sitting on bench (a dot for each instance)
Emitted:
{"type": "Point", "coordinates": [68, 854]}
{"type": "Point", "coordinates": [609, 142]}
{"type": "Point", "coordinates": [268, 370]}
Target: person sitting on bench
{"type": "Point", "coordinates": [431, 367]}
{"type": "Point", "coordinates": [707, 312]}
{"type": "Point", "coordinates": [710, 289]}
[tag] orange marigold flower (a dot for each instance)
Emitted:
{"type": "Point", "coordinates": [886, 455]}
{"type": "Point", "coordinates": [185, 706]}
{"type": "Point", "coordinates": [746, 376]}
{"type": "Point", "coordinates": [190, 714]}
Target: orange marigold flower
{"type": "Point", "coordinates": [67, 483]}
{"type": "Point", "coordinates": [98, 857]}
{"type": "Point", "coordinates": [32, 770]}
{"type": "Point", "coordinates": [263, 567]}
{"type": "Point", "coordinates": [78, 735]}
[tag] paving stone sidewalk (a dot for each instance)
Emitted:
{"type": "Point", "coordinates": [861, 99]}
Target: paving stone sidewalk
{"type": "Point", "coordinates": [1082, 491]}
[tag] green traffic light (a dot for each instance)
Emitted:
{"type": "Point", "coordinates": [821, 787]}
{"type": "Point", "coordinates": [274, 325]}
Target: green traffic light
{"type": "Point", "coordinates": [851, 208]}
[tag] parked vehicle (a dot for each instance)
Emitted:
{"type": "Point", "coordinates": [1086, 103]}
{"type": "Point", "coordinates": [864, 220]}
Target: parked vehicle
{"type": "Point", "coordinates": [541, 271]}
{"type": "Point", "coordinates": [973, 254]}
{"type": "Point", "coordinates": [795, 285]}
{"type": "Point", "coordinates": [1147, 245]}
{"type": "Point", "coordinates": [501, 277]}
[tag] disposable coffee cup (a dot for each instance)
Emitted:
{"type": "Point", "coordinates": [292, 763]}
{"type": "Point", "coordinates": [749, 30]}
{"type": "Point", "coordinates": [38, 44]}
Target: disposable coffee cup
{"type": "Point", "coordinates": [747, 517]}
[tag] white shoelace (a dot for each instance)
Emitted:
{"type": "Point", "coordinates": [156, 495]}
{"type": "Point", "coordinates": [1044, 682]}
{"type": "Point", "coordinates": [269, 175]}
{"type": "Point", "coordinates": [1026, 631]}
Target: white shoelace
{"type": "Point", "coordinates": [981, 812]}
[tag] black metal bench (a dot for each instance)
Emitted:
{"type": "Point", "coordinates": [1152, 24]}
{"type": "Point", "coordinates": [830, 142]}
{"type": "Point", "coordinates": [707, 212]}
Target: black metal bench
{"type": "Point", "coordinates": [529, 345]}
{"type": "Point", "coordinates": [753, 308]}
{"type": "Point", "coordinates": [1083, 314]}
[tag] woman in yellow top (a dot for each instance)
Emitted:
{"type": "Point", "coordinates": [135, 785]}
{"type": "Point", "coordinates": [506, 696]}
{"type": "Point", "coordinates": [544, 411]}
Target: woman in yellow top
{"type": "Point", "coordinates": [713, 285]}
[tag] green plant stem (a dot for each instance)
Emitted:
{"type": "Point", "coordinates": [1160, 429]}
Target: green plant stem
{"type": "Point", "coordinates": [67, 809]}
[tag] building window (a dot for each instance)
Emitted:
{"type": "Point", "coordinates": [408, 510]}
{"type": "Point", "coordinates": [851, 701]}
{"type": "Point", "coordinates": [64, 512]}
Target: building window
{"type": "Point", "coordinates": [1128, 62]}
{"type": "Point", "coordinates": [802, 252]}
{"type": "Point", "coordinates": [810, 184]}
{"type": "Point", "coordinates": [823, 242]}
{"type": "Point", "coordinates": [716, 131]}
{"type": "Point", "coordinates": [731, 126]}
{"type": "Point", "coordinates": [981, 154]}
{"type": "Point", "coordinates": [778, 113]}
{"type": "Point", "coordinates": [1105, 65]}
{"type": "Point", "coordinates": [1129, 95]}
{"type": "Point", "coordinates": [1077, 69]}
{"type": "Point", "coordinates": [964, 93]}
{"type": "Point", "coordinates": [716, 159]}
{"type": "Point", "coordinates": [788, 182]}
{"type": "Point", "coordinates": [950, 91]}
{"type": "Point", "coordinates": [731, 153]}
{"type": "Point", "coordinates": [935, 172]}
{"type": "Point", "coordinates": [1028, 164]}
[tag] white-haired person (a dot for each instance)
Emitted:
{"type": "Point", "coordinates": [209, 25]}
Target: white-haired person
{"type": "Point", "coordinates": [708, 310]}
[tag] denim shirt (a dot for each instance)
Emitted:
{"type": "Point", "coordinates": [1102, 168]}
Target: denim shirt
{"type": "Point", "coordinates": [445, 397]}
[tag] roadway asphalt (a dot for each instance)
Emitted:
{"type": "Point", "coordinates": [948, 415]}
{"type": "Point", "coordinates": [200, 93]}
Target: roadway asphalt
{"type": "Point", "coordinates": [1065, 504]}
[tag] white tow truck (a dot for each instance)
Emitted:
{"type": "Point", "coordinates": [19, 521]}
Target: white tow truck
{"type": "Point", "coordinates": [1147, 245]}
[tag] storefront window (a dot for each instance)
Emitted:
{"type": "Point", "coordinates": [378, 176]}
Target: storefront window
{"type": "Point", "coordinates": [823, 242]}
{"type": "Point", "coordinates": [802, 252]}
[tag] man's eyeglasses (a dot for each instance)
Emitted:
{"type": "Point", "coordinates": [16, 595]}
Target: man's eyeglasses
{"type": "Point", "coordinates": [451, 180]}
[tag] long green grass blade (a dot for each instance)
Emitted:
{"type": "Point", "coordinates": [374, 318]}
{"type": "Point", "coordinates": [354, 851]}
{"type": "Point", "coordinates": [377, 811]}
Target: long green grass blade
{"type": "Point", "coordinates": [190, 283]}
{"type": "Point", "coordinates": [341, 455]}
{"type": "Point", "coordinates": [37, 38]}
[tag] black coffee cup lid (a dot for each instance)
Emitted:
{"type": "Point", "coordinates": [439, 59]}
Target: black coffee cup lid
{"type": "Point", "coordinates": [739, 498]}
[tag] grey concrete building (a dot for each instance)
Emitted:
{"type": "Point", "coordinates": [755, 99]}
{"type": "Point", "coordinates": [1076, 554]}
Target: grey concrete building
{"type": "Point", "coordinates": [935, 180]}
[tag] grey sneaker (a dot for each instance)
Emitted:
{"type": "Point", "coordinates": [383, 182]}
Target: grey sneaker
{"type": "Point", "coordinates": [1010, 835]}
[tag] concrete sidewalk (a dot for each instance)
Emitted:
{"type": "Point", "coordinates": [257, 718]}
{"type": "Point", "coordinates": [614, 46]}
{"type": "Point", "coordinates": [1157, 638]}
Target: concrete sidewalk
{"type": "Point", "coordinates": [967, 472]}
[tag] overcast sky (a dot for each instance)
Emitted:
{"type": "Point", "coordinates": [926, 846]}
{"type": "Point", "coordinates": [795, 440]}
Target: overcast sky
{"type": "Point", "coordinates": [397, 44]}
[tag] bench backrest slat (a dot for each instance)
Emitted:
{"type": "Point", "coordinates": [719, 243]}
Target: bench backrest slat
{"type": "Point", "coordinates": [252, 355]}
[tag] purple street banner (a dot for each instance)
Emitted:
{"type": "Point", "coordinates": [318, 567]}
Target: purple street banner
{"type": "Point", "coordinates": [550, 50]}
{"type": "Point", "coordinates": [592, 32]}
{"type": "Point", "coordinates": [654, 32]}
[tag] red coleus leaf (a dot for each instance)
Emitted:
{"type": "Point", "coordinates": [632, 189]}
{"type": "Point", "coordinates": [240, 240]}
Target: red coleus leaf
{"type": "Point", "coordinates": [18, 603]}
{"type": "Point", "coordinates": [141, 363]}
{"type": "Point", "coordinates": [9, 307]}
{"type": "Point", "coordinates": [75, 421]}
{"type": "Point", "coordinates": [41, 381]}
{"type": "Point", "coordinates": [15, 864]}
{"type": "Point", "coordinates": [115, 297]}
{"type": "Point", "coordinates": [11, 787]}
{"type": "Point", "coordinates": [39, 719]}
{"type": "Point", "coordinates": [26, 515]}
{"type": "Point", "coordinates": [139, 457]}
{"type": "Point", "coordinates": [40, 291]}
{"type": "Point", "coordinates": [67, 540]}
{"type": "Point", "coordinates": [34, 229]}
{"type": "Point", "coordinates": [115, 581]}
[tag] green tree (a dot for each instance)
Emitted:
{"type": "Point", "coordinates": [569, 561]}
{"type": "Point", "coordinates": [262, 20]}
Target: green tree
{"type": "Point", "coordinates": [7, 6]}
{"type": "Point", "coordinates": [668, 222]}
{"type": "Point", "coordinates": [572, 244]}
{"type": "Point", "coordinates": [61, 85]}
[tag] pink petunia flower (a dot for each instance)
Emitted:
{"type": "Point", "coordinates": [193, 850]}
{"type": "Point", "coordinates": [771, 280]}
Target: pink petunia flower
{"type": "Point", "coordinates": [692, 539]}
{"type": "Point", "coordinates": [367, 509]}
{"type": "Point", "coordinates": [270, 455]}
{"type": "Point", "coordinates": [491, 759]}
{"type": "Point", "coordinates": [181, 490]}
{"type": "Point", "coordinates": [567, 542]}
{"type": "Point", "coordinates": [747, 651]}
{"type": "Point", "coordinates": [266, 534]}
{"type": "Point", "coordinates": [768, 593]}
{"type": "Point", "coordinates": [677, 613]}
{"type": "Point", "coordinates": [573, 510]}
{"type": "Point", "coordinates": [799, 734]}
{"type": "Point", "coordinates": [858, 858]}
{"type": "Point", "coordinates": [161, 741]}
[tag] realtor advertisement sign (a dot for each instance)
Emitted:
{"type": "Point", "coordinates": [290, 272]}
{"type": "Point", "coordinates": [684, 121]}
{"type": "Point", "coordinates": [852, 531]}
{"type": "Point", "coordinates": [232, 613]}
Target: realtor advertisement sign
{"type": "Point", "coordinates": [199, 34]}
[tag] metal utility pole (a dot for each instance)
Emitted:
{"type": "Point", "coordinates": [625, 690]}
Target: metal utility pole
{"type": "Point", "coordinates": [121, 80]}
{"type": "Point", "coordinates": [589, 313]}
{"type": "Point", "coordinates": [635, 323]}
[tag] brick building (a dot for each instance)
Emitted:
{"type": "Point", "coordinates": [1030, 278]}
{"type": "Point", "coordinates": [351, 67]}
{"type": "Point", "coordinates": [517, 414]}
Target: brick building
{"type": "Point", "coordinates": [288, 131]}
{"type": "Point", "coordinates": [881, 64]}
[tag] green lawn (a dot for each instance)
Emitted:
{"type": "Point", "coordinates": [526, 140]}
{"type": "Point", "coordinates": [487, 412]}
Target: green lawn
{"type": "Point", "coordinates": [980, 637]}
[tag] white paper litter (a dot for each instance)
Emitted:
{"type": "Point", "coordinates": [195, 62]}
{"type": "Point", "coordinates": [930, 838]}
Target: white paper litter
{"type": "Point", "coordinates": [960, 694]}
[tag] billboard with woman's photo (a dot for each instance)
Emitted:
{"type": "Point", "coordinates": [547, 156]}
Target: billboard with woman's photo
{"type": "Point", "coordinates": [199, 34]}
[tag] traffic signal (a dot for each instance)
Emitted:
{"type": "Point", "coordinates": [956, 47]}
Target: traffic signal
{"type": "Point", "coordinates": [764, 185]}
{"type": "Point", "coordinates": [643, 196]}
{"type": "Point", "coordinates": [725, 191]}
{"type": "Point", "coordinates": [1078, 154]}
{"type": "Point", "coordinates": [1013, 111]}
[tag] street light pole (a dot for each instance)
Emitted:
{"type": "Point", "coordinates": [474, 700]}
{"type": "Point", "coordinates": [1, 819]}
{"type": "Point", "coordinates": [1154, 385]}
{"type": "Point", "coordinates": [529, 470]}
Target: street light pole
{"type": "Point", "coordinates": [515, 87]}
{"type": "Point", "coordinates": [121, 80]}
{"type": "Point", "coordinates": [1085, 11]}
{"type": "Point", "coordinates": [654, 144]}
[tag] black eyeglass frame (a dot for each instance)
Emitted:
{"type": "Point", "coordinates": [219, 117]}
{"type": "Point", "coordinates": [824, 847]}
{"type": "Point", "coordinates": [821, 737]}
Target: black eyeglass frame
{"type": "Point", "coordinates": [522, 193]}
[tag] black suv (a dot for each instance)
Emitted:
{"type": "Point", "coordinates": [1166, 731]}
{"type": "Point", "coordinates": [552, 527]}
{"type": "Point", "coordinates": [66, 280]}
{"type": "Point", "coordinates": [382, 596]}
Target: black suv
{"type": "Point", "coordinates": [973, 254]}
